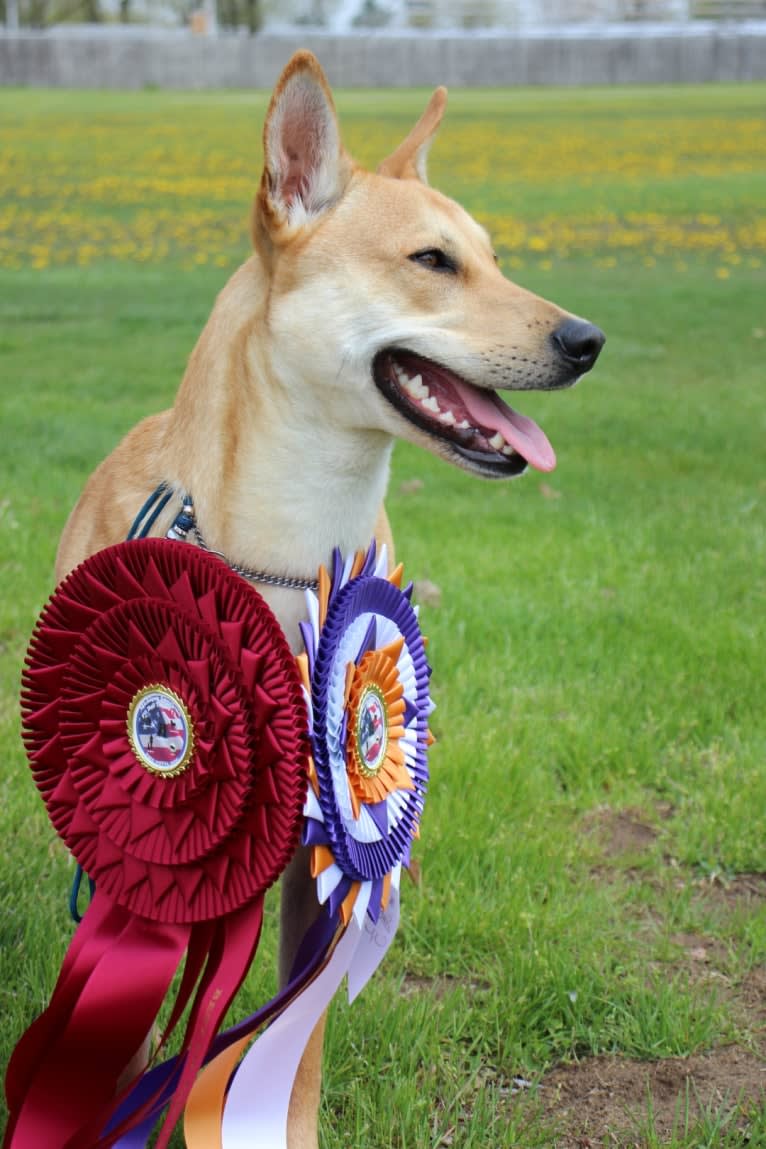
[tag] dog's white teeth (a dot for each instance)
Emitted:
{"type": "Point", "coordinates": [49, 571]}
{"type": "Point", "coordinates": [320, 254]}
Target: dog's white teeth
{"type": "Point", "coordinates": [507, 450]}
{"type": "Point", "coordinates": [418, 390]}
{"type": "Point", "coordinates": [497, 441]}
{"type": "Point", "coordinates": [464, 425]}
{"type": "Point", "coordinates": [416, 387]}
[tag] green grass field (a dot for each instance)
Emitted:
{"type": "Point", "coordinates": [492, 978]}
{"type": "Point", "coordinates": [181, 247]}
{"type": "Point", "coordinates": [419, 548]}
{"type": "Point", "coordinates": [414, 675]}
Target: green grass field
{"type": "Point", "coordinates": [592, 868]}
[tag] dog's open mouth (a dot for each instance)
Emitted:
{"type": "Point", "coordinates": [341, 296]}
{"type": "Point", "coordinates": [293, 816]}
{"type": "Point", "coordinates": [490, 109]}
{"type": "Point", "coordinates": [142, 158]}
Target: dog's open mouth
{"type": "Point", "coordinates": [481, 428]}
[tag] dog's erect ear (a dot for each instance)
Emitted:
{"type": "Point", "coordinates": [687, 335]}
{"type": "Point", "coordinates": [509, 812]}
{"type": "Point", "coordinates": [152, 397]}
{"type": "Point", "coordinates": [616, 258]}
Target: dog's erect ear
{"type": "Point", "coordinates": [305, 166]}
{"type": "Point", "coordinates": [408, 162]}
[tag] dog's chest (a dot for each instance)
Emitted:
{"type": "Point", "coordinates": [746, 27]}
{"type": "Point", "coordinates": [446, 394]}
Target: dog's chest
{"type": "Point", "coordinates": [289, 606]}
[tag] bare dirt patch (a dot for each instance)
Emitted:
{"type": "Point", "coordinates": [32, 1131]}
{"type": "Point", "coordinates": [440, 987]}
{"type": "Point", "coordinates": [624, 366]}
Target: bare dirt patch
{"type": "Point", "coordinates": [701, 950]}
{"type": "Point", "coordinates": [702, 959]}
{"type": "Point", "coordinates": [750, 1007]}
{"type": "Point", "coordinates": [752, 994]}
{"type": "Point", "coordinates": [736, 891]}
{"type": "Point", "coordinates": [620, 831]}
{"type": "Point", "coordinates": [605, 1100]}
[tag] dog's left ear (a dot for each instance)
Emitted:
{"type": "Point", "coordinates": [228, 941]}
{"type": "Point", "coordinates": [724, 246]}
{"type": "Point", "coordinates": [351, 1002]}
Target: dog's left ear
{"type": "Point", "coordinates": [306, 168]}
{"type": "Point", "coordinates": [408, 162]}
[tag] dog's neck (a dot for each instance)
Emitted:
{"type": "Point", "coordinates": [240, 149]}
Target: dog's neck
{"type": "Point", "coordinates": [277, 482]}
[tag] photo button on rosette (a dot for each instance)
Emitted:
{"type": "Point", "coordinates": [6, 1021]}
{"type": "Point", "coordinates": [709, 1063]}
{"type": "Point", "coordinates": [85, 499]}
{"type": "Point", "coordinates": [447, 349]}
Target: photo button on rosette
{"type": "Point", "coordinates": [160, 730]}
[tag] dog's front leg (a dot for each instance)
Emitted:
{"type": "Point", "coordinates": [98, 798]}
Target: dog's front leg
{"type": "Point", "coordinates": [299, 909]}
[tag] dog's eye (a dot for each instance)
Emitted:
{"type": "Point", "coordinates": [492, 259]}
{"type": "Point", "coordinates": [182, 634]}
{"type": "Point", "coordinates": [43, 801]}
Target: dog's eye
{"type": "Point", "coordinates": [434, 259]}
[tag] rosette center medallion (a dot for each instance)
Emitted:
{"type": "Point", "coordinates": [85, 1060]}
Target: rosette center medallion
{"type": "Point", "coordinates": [375, 708]}
{"type": "Point", "coordinates": [371, 733]}
{"type": "Point", "coordinates": [160, 730]}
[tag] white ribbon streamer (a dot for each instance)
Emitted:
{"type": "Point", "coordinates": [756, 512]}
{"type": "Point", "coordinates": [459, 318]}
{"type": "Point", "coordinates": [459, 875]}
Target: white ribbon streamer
{"type": "Point", "coordinates": [255, 1115]}
{"type": "Point", "coordinates": [373, 945]}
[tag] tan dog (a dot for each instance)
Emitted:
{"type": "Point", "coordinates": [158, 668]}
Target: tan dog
{"type": "Point", "coordinates": [372, 308]}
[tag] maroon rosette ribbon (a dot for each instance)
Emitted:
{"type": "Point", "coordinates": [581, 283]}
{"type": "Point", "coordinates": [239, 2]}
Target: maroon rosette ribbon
{"type": "Point", "coordinates": [165, 724]}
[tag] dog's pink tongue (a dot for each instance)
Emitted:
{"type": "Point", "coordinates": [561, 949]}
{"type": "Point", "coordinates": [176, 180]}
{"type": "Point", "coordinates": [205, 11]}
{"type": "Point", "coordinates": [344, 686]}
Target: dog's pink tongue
{"type": "Point", "coordinates": [488, 410]}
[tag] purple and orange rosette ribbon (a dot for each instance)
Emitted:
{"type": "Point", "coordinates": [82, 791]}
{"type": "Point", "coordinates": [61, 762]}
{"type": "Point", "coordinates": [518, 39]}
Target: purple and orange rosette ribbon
{"type": "Point", "coordinates": [367, 688]}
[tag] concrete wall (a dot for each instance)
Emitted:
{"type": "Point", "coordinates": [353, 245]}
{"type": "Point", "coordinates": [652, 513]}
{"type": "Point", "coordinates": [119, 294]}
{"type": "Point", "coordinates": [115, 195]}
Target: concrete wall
{"type": "Point", "coordinates": [614, 54]}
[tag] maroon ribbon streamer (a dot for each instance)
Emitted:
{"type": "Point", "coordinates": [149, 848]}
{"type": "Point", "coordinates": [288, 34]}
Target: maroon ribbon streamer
{"type": "Point", "coordinates": [231, 953]}
{"type": "Point", "coordinates": [69, 1062]}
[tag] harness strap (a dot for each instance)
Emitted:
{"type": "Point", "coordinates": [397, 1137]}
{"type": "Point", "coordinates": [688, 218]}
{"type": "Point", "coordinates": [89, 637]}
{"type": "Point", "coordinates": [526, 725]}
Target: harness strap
{"type": "Point", "coordinates": [153, 507]}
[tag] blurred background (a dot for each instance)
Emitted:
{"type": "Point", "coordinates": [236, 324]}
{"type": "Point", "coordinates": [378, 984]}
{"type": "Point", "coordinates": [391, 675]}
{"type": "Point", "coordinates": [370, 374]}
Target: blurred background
{"type": "Point", "coordinates": [380, 43]}
{"type": "Point", "coordinates": [346, 16]}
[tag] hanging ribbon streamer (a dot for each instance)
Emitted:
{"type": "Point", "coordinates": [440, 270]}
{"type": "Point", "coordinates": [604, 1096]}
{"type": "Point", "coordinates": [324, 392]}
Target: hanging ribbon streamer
{"type": "Point", "coordinates": [366, 677]}
{"type": "Point", "coordinates": [139, 1111]}
{"type": "Point", "coordinates": [165, 725]}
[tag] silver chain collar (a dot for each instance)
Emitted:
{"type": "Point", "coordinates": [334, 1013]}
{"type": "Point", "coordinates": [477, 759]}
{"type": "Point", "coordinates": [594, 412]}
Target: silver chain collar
{"type": "Point", "coordinates": [287, 582]}
{"type": "Point", "coordinates": [186, 522]}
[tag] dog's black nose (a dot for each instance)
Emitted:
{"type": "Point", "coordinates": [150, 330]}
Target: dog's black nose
{"type": "Point", "coordinates": [579, 342]}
